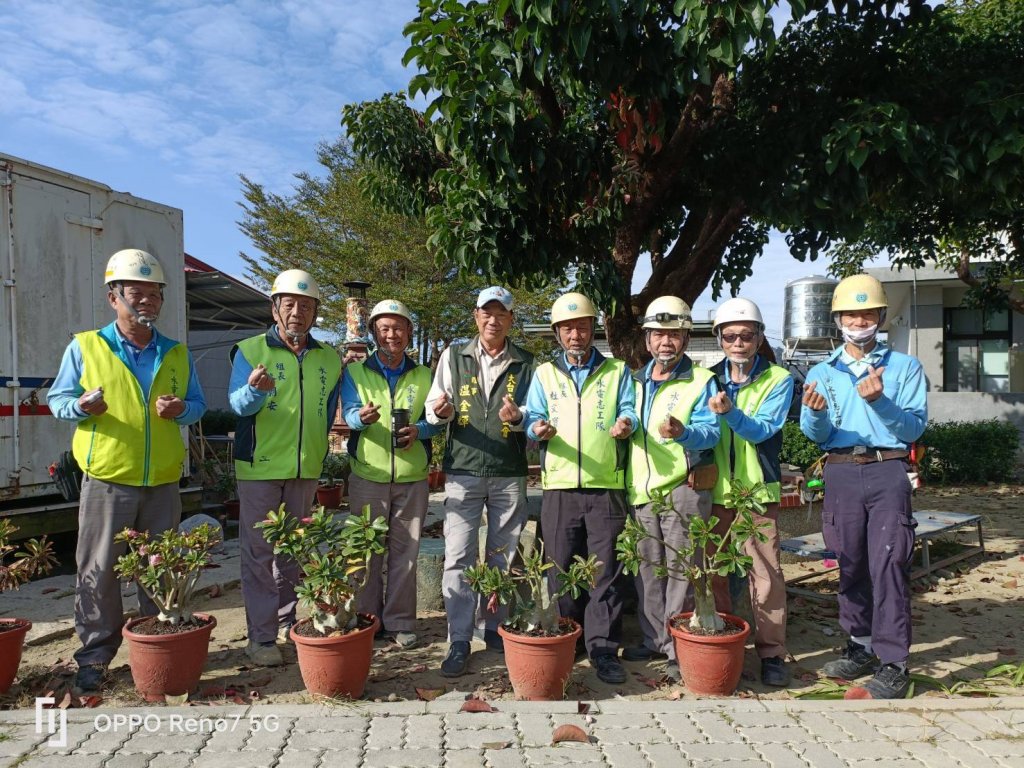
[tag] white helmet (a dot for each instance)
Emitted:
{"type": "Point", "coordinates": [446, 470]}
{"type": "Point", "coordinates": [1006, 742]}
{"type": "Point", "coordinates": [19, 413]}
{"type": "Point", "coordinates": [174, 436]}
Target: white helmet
{"type": "Point", "coordinates": [570, 306]}
{"type": "Point", "coordinates": [738, 311]}
{"type": "Point", "coordinates": [389, 307]}
{"type": "Point", "coordinates": [133, 265]}
{"type": "Point", "coordinates": [668, 313]}
{"type": "Point", "coordinates": [297, 282]}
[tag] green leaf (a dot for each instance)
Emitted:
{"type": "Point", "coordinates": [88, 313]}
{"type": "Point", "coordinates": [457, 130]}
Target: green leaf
{"type": "Point", "coordinates": [580, 35]}
{"type": "Point", "coordinates": [858, 156]}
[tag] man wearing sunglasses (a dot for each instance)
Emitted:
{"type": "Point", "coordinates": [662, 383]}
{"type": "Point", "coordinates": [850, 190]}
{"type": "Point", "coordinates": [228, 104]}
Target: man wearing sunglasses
{"type": "Point", "coordinates": [752, 405]}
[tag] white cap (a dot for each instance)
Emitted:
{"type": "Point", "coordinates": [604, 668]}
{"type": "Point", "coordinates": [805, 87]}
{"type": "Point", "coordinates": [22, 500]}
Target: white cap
{"type": "Point", "coordinates": [495, 293]}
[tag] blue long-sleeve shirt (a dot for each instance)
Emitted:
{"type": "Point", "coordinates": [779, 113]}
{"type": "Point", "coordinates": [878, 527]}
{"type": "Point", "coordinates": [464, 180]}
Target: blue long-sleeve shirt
{"type": "Point", "coordinates": [67, 388]}
{"type": "Point", "coordinates": [351, 403]}
{"type": "Point", "coordinates": [537, 398]}
{"type": "Point", "coordinates": [895, 420]}
{"type": "Point", "coordinates": [770, 416]}
{"type": "Point", "coordinates": [702, 432]}
{"type": "Point", "coordinates": [246, 400]}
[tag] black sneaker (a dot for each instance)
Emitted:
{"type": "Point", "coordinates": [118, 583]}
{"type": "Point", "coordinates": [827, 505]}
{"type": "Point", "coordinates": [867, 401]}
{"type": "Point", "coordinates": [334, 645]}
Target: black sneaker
{"type": "Point", "coordinates": [90, 677]}
{"type": "Point", "coordinates": [494, 641]}
{"type": "Point", "coordinates": [640, 653]}
{"type": "Point", "coordinates": [457, 660]}
{"type": "Point", "coordinates": [609, 669]}
{"type": "Point", "coordinates": [889, 682]}
{"type": "Point", "coordinates": [856, 662]}
{"type": "Point", "coordinates": [774, 672]}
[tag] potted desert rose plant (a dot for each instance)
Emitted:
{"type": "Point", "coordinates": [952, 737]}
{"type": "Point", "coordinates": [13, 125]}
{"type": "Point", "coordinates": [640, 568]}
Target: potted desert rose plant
{"type": "Point", "coordinates": [709, 645]}
{"type": "Point", "coordinates": [35, 558]}
{"type": "Point", "coordinates": [540, 645]}
{"type": "Point", "coordinates": [167, 652]}
{"type": "Point", "coordinates": [335, 644]}
{"type": "Point", "coordinates": [329, 489]}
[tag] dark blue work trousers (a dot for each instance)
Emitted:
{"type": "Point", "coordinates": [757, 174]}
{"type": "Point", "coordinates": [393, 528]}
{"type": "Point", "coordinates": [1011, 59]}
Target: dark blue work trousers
{"type": "Point", "coordinates": [868, 522]}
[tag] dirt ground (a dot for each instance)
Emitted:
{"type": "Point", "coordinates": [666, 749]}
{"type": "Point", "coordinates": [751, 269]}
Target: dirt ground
{"type": "Point", "coordinates": [967, 619]}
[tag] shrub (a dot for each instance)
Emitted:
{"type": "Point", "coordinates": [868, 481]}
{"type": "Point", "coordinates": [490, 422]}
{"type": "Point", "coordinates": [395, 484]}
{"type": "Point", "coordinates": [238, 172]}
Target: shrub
{"type": "Point", "coordinates": [219, 422]}
{"type": "Point", "coordinates": [797, 448]}
{"type": "Point", "coordinates": [969, 451]}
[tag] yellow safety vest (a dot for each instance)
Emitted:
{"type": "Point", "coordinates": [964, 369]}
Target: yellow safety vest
{"type": "Point", "coordinates": [129, 443]}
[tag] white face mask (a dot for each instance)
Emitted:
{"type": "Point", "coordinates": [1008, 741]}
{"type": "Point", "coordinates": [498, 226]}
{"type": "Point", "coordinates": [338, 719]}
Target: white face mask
{"type": "Point", "coordinates": [860, 337]}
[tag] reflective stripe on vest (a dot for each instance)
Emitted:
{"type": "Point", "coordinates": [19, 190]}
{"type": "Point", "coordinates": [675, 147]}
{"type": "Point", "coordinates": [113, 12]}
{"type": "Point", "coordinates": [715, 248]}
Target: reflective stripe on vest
{"type": "Point", "coordinates": [129, 443]}
{"type": "Point", "coordinates": [582, 454]}
{"type": "Point", "coordinates": [375, 458]}
{"type": "Point", "coordinates": [290, 430]}
{"type": "Point", "coordinates": [658, 464]}
{"type": "Point", "coordinates": [738, 458]}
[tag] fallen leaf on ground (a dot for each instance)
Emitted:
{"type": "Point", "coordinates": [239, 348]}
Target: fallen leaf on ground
{"type": "Point", "coordinates": [214, 591]}
{"type": "Point", "coordinates": [857, 693]}
{"type": "Point", "coordinates": [582, 708]}
{"type": "Point", "coordinates": [90, 701]}
{"type": "Point", "coordinates": [65, 703]}
{"type": "Point", "coordinates": [428, 694]}
{"type": "Point", "coordinates": [1011, 584]}
{"type": "Point", "coordinates": [175, 701]}
{"type": "Point", "coordinates": [476, 705]}
{"type": "Point", "coordinates": [48, 590]}
{"type": "Point", "coordinates": [569, 733]}
{"type": "Point", "coordinates": [497, 744]}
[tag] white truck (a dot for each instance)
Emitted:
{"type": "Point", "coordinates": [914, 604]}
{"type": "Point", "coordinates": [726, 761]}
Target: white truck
{"type": "Point", "coordinates": [57, 231]}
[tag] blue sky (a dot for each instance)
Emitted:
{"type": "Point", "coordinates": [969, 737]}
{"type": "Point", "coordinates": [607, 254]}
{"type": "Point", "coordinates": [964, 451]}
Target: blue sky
{"type": "Point", "coordinates": [171, 101]}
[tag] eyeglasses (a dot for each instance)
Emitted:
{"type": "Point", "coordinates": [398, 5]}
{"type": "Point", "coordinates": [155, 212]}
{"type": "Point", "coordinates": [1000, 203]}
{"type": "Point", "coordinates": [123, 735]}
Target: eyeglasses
{"type": "Point", "coordinates": [730, 338]}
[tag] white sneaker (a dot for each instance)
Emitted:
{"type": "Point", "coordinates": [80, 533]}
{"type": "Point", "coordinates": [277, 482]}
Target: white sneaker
{"type": "Point", "coordinates": [264, 655]}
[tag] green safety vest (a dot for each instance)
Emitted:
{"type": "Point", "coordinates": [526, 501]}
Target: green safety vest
{"type": "Point", "coordinates": [739, 459]}
{"type": "Point", "coordinates": [374, 457]}
{"type": "Point", "coordinates": [657, 464]}
{"type": "Point", "coordinates": [583, 454]}
{"type": "Point", "coordinates": [478, 442]}
{"type": "Point", "coordinates": [129, 443]}
{"type": "Point", "coordinates": [287, 438]}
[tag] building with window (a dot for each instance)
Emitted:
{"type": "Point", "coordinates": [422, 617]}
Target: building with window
{"type": "Point", "coordinates": [974, 359]}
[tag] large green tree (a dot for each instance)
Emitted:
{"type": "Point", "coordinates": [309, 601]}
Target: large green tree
{"type": "Point", "coordinates": [330, 228]}
{"type": "Point", "coordinates": [583, 134]}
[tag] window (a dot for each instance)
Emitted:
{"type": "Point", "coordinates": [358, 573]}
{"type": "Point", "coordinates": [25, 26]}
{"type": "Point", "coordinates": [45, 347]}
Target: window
{"type": "Point", "coordinates": [977, 351]}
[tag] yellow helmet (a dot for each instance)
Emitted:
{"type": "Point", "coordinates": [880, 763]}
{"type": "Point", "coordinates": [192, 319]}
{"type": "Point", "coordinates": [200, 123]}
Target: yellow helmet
{"type": "Point", "coordinates": [570, 306]}
{"type": "Point", "coordinates": [859, 292]}
{"type": "Point", "coordinates": [389, 307]}
{"type": "Point", "coordinates": [297, 282]}
{"type": "Point", "coordinates": [668, 313]}
{"type": "Point", "coordinates": [133, 265]}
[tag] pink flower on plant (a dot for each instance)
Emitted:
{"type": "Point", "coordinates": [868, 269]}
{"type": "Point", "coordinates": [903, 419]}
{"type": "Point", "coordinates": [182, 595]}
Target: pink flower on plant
{"type": "Point", "coordinates": [306, 520]}
{"type": "Point", "coordinates": [156, 559]}
{"type": "Point", "coordinates": [143, 550]}
{"type": "Point", "coordinates": [132, 534]}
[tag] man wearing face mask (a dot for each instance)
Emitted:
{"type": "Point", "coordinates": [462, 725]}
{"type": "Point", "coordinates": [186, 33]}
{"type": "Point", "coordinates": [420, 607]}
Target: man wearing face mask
{"type": "Point", "coordinates": [383, 402]}
{"type": "Point", "coordinates": [864, 406]}
{"type": "Point", "coordinates": [580, 407]}
{"type": "Point", "coordinates": [284, 386]}
{"type": "Point", "coordinates": [670, 456]}
{"type": "Point", "coordinates": [130, 389]}
{"type": "Point", "coordinates": [752, 405]}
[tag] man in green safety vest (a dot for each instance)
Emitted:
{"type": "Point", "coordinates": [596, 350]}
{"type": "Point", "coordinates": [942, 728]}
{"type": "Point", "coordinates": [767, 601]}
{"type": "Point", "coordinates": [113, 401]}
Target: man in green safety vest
{"type": "Point", "coordinates": [383, 401]}
{"type": "Point", "coordinates": [580, 407]}
{"type": "Point", "coordinates": [669, 457]}
{"type": "Point", "coordinates": [284, 386]}
{"type": "Point", "coordinates": [130, 390]}
{"type": "Point", "coordinates": [752, 408]}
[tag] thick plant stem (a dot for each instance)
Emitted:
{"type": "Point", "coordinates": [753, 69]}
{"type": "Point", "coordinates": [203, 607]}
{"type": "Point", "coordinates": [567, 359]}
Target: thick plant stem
{"type": "Point", "coordinates": [705, 616]}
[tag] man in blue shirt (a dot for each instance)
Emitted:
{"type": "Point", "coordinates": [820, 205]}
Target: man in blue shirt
{"type": "Point", "coordinates": [580, 407]}
{"type": "Point", "coordinates": [129, 389]}
{"type": "Point", "coordinates": [865, 405]}
{"type": "Point", "coordinates": [752, 405]}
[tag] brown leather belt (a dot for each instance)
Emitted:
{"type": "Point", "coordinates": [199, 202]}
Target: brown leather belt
{"type": "Point", "coordinates": [862, 455]}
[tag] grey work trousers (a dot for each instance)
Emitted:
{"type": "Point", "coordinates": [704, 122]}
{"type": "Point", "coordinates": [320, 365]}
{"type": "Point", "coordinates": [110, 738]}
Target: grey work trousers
{"type": "Point", "coordinates": [663, 597]}
{"type": "Point", "coordinates": [587, 522]}
{"type": "Point", "coordinates": [404, 505]}
{"type": "Point", "coordinates": [105, 509]}
{"type": "Point", "coordinates": [268, 580]}
{"type": "Point", "coordinates": [505, 498]}
{"type": "Point", "coordinates": [867, 520]}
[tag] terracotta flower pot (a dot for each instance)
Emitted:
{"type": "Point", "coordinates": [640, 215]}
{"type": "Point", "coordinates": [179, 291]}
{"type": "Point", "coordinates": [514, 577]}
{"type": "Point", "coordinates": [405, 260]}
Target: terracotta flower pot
{"type": "Point", "coordinates": [336, 666]}
{"type": "Point", "coordinates": [329, 496]}
{"type": "Point", "coordinates": [539, 667]}
{"type": "Point", "coordinates": [167, 664]}
{"type": "Point", "coordinates": [436, 479]}
{"type": "Point", "coordinates": [11, 643]}
{"type": "Point", "coordinates": [232, 508]}
{"type": "Point", "coordinates": [710, 664]}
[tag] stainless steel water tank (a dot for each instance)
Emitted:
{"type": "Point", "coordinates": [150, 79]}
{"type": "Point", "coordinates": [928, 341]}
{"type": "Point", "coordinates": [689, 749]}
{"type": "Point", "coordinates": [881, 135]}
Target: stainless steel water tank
{"type": "Point", "coordinates": [807, 320]}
